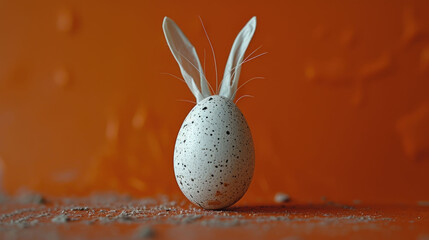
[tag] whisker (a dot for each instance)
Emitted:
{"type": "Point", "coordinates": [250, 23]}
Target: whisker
{"type": "Point", "coordinates": [191, 64]}
{"type": "Point", "coordinates": [248, 60]}
{"type": "Point", "coordinates": [210, 86]}
{"type": "Point", "coordinates": [204, 62]}
{"type": "Point", "coordinates": [214, 56]}
{"type": "Point", "coordinates": [253, 78]}
{"type": "Point", "coordinates": [252, 53]}
{"type": "Point", "coordinates": [243, 97]}
{"type": "Point", "coordinates": [232, 72]}
{"type": "Point", "coordinates": [184, 100]}
{"type": "Point", "coordinates": [204, 70]}
{"type": "Point", "coordinates": [172, 75]}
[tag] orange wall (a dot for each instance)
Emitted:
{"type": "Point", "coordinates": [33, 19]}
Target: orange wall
{"type": "Point", "coordinates": [343, 110]}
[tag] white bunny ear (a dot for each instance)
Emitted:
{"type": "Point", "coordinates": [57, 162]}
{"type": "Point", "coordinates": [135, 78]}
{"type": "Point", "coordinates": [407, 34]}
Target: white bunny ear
{"type": "Point", "coordinates": [233, 65]}
{"type": "Point", "coordinates": [187, 58]}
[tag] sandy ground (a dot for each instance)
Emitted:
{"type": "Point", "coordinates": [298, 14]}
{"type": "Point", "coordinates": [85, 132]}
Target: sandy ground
{"type": "Point", "coordinates": [113, 216]}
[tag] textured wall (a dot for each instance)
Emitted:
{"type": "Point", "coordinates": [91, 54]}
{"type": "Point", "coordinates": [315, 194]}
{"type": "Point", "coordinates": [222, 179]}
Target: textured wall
{"type": "Point", "coordinates": [343, 110]}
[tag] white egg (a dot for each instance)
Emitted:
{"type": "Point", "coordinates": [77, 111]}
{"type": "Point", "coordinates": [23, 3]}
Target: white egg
{"type": "Point", "coordinates": [214, 157]}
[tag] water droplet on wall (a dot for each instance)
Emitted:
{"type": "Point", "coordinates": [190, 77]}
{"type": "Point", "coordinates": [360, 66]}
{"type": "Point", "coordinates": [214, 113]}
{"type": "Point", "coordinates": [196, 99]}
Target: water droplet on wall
{"type": "Point", "coordinates": [139, 119]}
{"type": "Point", "coordinates": [414, 131]}
{"type": "Point", "coordinates": [61, 77]}
{"type": "Point", "coordinates": [424, 58]}
{"type": "Point", "coordinates": [376, 68]}
{"type": "Point", "coordinates": [66, 21]}
{"type": "Point", "coordinates": [410, 28]}
{"type": "Point", "coordinates": [332, 72]}
{"type": "Point", "coordinates": [310, 72]}
{"type": "Point", "coordinates": [137, 183]}
{"type": "Point", "coordinates": [112, 129]}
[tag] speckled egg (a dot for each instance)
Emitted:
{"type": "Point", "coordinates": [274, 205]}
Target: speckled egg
{"type": "Point", "coordinates": [214, 157]}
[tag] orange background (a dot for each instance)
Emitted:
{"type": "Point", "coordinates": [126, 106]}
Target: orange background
{"type": "Point", "coordinates": [343, 111]}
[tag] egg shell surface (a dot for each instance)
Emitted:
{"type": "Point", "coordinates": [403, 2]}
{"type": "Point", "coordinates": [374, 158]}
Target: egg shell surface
{"type": "Point", "coordinates": [214, 156]}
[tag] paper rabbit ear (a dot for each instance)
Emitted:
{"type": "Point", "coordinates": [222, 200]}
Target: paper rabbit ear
{"type": "Point", "coordinates": [233, 66]}
{"type": "Point", "coordinates": [187, 58]}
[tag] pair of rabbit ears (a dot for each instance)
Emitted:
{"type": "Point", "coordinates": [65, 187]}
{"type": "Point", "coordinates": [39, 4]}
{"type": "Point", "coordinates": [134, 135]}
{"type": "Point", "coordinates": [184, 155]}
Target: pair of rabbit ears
{"type": "Point", "coordinates": [186, 56]}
